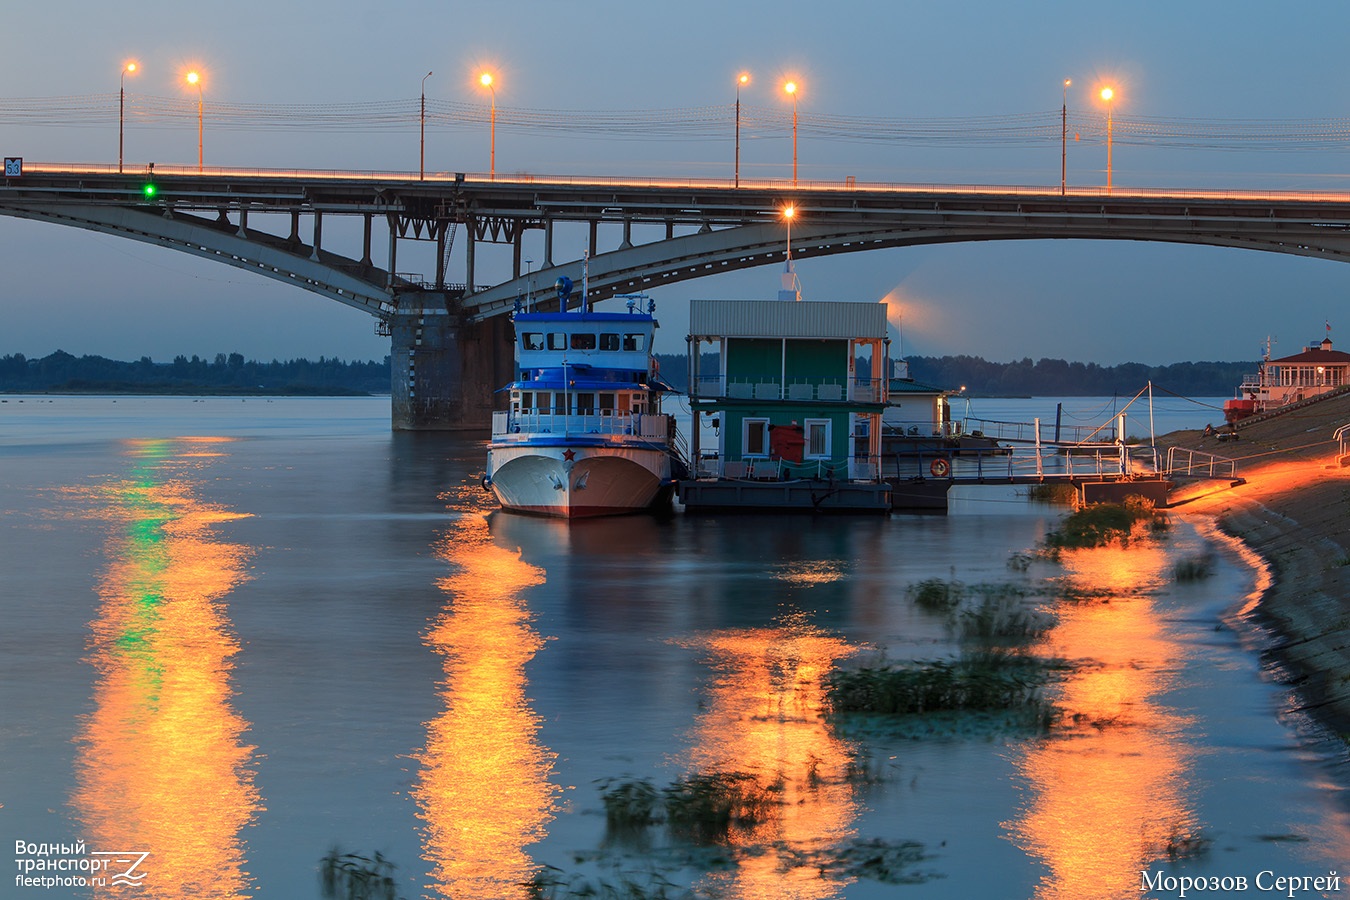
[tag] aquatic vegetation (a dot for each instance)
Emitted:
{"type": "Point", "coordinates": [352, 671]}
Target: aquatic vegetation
{"type": "Point", "coordinates": [1000, 618]}
{"type": "Point", "coordinates": [937, 595]}
{"type": "Point", "coordinates": [349, 876]}
{"type": "Point", "coordinates": [629, 804]}
{"type": "Point", "coordinates": [702, 808]}
{"type": "Point", "coordinates": [1194, 568]}
{"type": "Point", "coordinates": [1106, 523]}
{"type": "Point", "coordinates": [1055, 492]}
{"type": "Point", "coordinates": [555, 884]}
{"type": "Point", "coordinates": [978, 682]}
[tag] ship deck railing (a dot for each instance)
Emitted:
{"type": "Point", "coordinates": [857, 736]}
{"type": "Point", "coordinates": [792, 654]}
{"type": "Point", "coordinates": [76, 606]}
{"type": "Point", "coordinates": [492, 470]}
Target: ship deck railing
{"type": "Point", "coordinates": [647, 426]}
{"type": "Point", "coordinates": [764, 468]}
{"type": "Point", "coordinates": [772, 387]}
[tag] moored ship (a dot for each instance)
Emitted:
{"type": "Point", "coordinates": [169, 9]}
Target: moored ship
{"type": "Point", "coordinates": [1278, 383]}
{"type": "Point", "coordinates": [585, 434]}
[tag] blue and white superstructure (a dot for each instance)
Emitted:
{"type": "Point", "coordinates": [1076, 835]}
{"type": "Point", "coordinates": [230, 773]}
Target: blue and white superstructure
{"type": "Point", "coordinates": [584, 435]}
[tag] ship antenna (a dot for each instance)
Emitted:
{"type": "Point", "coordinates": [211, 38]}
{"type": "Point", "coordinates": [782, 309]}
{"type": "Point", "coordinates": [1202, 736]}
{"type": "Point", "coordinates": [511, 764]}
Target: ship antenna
{"type": "Point", "coordinates": [529, 284]}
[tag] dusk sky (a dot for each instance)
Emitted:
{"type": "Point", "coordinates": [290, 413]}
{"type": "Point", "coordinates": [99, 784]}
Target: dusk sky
{"type": "Point", "coordinates": [1250, 64]}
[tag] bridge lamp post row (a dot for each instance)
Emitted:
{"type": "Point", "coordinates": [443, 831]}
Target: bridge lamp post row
{"type": "Point", "coordinates": [131, 68]}
{"type": "Point", "coordinates": [486, 81]}
{"type": "Point", "coordinates": [195, 80]}
{"type": "Point", "coordinates": [1108, 94]}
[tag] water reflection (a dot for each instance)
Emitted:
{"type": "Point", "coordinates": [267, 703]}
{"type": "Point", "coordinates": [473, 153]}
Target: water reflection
{"type": "Point", "coordinates": [764, 718]}
{"type": "Point", "coordinates": [483, 788]}
{"type": "Point", "coordinates": [1110, 792]}
{"type": "Point", "coordinates": [161, 766]}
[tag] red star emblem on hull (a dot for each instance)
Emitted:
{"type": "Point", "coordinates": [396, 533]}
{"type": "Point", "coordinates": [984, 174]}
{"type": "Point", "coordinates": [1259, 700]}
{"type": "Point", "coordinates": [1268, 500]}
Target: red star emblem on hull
{"type": "Point", "coordinates": [569, 455]}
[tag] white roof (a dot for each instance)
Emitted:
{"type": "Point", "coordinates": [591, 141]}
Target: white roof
{"type": "Point", "coordinates": [787, 319]}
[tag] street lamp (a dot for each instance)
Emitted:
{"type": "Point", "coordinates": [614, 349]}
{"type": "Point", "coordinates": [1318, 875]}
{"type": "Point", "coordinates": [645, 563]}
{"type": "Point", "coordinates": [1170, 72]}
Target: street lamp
{"type": "Point", "coordinates": [422, 141]}
{"type": "Point", "coordinates": [1107, 95]}
{"type": "Point", "coordinates": [486, 81]}
{"type": "Point", "coordinates": [1064, 141]}
{"type": "Point", "coordinates": [741, 81]}
{"type": "Point", "coordinates": [196, 81]}
{"type": "Point", "coordinates": [121, 109]}
{"type": "Point", "coordinates": [791, 88]}
{"type": "Point", "coordinates": [790, 290]}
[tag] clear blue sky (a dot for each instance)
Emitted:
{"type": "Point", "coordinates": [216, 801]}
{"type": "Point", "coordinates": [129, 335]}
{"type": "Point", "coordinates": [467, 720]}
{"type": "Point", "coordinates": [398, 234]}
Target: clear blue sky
{"type": "Point", "coordinates": [1104, 301]}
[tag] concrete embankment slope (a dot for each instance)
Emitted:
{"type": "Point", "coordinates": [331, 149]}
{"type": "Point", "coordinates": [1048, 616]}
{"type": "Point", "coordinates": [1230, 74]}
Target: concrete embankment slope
{"type": "Point", "coordinates": [1294, 511]}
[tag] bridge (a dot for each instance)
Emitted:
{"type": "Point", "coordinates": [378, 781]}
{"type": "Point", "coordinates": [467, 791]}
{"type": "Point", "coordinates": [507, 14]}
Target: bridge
{"type": "Point", "coordinates": [451, 342]}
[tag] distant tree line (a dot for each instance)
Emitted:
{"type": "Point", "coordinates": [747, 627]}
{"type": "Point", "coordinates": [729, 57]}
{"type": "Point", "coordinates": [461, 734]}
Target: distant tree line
{"type": "Point", "coordinates": [1043, 378]}
{"type": "Point", "coordinates": [1058, 378]}
{"type": "Point", "coordinates": [226, 374]}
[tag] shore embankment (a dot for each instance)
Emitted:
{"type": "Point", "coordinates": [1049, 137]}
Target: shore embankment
{"type": "Point", "coordinates": [1293, 510]}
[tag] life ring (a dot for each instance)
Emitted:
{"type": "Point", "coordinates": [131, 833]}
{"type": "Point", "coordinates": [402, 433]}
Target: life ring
{"type": "Point", "coordinates": [940, 468]}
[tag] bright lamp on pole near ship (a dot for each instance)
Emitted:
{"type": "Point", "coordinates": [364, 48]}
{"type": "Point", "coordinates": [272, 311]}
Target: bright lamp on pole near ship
{"type": "Point", "coordinates": [486, 80]}
{"type": "Point", "coordinates": [195, 80]}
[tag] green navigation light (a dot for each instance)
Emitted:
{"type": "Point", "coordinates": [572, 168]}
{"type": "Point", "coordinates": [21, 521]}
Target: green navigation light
{"type": "Point", "coordinates": [149, 190]}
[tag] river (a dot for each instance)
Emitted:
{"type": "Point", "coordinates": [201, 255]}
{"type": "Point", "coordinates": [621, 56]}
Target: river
{"type": "Point", "coordinates": [240, 633]}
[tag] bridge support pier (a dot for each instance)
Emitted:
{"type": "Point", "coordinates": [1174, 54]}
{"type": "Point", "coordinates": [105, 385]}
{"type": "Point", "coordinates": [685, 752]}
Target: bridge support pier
{"type": "Point", "coordinates": [444, 372]}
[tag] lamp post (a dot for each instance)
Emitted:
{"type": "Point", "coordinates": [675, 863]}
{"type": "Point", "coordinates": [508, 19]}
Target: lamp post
{"type": "Point", "coordinates": [195, 80]}
{"type": "Point", "coordinates": [486, 81]}
{"type": "Point", "coordinates": [121, 109]}
{"type": "Point", "coordinates": [790, 290]}
{"type": "Point", "coordinates": [1064, 141]}
{"type": "Point", "coordinates": [741, 80]}
{"type": "Point", "coordinates": [791, 89]}
{"type": "Point", "coordinates": [1107, 95]}
{"type": "Point", "coordinates": [422, 137]}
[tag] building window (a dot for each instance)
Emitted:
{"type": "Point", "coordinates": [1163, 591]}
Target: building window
{"type": "Point", "coordinates": [817, 434]}
{"type": "Point", "coordinates": [755, 437]}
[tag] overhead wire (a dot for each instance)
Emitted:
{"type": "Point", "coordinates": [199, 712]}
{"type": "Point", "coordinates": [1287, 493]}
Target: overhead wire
{"type": "Point", "coordinates": [683, 123]}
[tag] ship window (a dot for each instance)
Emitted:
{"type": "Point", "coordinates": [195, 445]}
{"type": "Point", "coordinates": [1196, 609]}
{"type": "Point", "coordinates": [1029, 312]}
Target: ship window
{"type": "Point", "coordinates": [634, 342]}
{"type": "Point", "coordinates": [557, 340]}
{"type": "Point", "coordinates": [817, 438]}
{"type": "Point", "coordinates": [585, 403]}
{"type": "Point", "coordinates": [583, 341]}
{"type": "Point", "coordinates": [527, 399]}
{"type": "Point", "coordinates": [609, 340]}
{"type": "Point", "coordinates": [755, 437]}
{"type": "Point", "coordinates": [606, 404]}
{"type": "Point", "coordinates": [532, 340]}
{"type": "Point", "coordinates": [560, 403]}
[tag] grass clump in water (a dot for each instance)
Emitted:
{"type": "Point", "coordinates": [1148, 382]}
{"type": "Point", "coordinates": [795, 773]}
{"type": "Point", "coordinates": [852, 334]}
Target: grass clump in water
{"type": "Point", "coordinates": [991, 681]}
{"type": "Point", "coordinates": [1194, 568]}
{"type": "Point", "coordinates": [1105, 523]}
{"type": "Point", "coordinates": [1055, 492]}
{"type": "Point", "coordinates": [703, 808]}
{"type": "Point", "coordinates": [936, 595]}
{"type": "Point", "coordinates": [630, 804]}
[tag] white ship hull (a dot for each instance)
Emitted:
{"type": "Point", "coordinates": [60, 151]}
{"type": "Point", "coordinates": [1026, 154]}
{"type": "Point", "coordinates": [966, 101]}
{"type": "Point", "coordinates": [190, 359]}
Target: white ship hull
{"type": "Point", "coordinates": [577, 481]}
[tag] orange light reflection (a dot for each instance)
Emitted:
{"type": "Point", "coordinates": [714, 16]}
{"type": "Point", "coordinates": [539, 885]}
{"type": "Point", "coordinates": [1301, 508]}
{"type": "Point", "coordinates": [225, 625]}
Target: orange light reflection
{"type": "Point", "coordinates": [161, 765]}
{"type": "Point", "coordinates": [483, 789]}
{"type": "Point", "coordinates": [1110, 790]}
{"type": "Point", "coordinates": [765, 719]}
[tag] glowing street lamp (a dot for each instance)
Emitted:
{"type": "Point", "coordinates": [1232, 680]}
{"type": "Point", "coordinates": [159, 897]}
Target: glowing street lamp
{"type": "Point", "coordinates": [741, 81]}
{"type": "Point", "coordinates": [422, 139]}
{"type": "Point", "coordinates": [1107, 96]}
{"type": "Point", "coordinates": [791, 89]}
{"type": "Point", "coordinates": [791, 289]}
{"type": "Point", "coordinates": [486, 81]}
{"type": "Point", "coordinates": [121, 109]}
{"type": "Point", "coordinates": [1064, 141]}
{"type": "Point", "coordinates": [789, 213]}
{"type": "Point", "coordinates": [195, 80]}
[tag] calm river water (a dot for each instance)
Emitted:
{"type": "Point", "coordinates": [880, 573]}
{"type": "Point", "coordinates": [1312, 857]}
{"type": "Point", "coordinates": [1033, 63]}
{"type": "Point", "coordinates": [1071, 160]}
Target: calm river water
{"type": "Point", "coordinates": [237, 634]}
